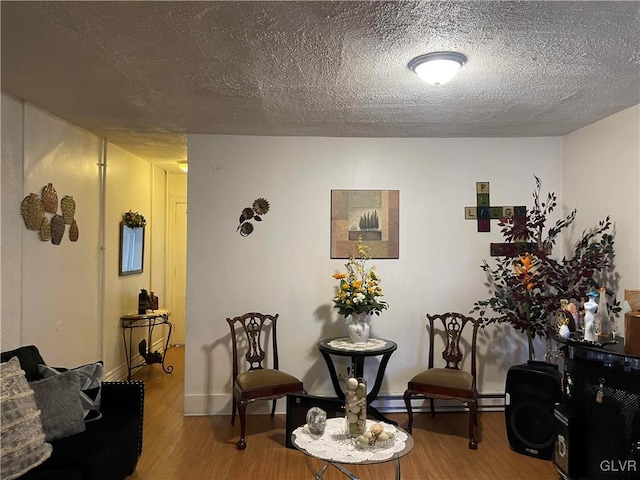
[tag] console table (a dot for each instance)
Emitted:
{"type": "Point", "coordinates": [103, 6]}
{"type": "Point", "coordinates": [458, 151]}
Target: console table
{"type": "Point", "coordinates": [343, 347]}
{"type": "Point", "coordinates": [148, 321]}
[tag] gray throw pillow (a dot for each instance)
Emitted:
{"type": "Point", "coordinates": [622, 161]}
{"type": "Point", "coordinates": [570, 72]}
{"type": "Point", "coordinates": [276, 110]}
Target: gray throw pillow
{"type": "Point", "coordinates": [90, 386]}
{"type": "Point", "coordinates": [58, 398]}
{"type": "Point", "coordinates": [22, 439]}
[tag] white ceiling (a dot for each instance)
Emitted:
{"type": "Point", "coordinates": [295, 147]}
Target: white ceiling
{"type": "Point", "coordinates": [144, 74]}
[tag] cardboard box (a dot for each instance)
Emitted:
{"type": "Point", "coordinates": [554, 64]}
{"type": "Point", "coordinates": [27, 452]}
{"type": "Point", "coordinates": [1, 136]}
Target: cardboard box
{"type": "Point", "coordinates": [632, 333]}
{"type": "Point", "coordinates": [633, 298]}
{"type": "Point", "coordinates": [632, 323]}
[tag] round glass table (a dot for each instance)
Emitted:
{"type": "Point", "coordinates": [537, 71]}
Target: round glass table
{"type": "Point", "coordinates": [335, 448]}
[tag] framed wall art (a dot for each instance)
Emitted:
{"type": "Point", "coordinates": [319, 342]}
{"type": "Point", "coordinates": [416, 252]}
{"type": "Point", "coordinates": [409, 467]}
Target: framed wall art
{"type": "Point", "coordinates": [131, 249]}
{"type": "Point", "coordinates": [370, 214]}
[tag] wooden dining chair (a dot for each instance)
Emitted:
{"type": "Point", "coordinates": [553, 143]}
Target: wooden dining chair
{"type": "Point", "coordinates": [249, 336]}
{"type": "Point", "coordinates": [448, 382]}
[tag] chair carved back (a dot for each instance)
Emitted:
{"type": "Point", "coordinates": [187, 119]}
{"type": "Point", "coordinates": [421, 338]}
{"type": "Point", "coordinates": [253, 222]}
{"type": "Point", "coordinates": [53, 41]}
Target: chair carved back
{"type": "Point", "coordinates": [453, 325]}
{"type": "Point", "coordinates": [255, 328]}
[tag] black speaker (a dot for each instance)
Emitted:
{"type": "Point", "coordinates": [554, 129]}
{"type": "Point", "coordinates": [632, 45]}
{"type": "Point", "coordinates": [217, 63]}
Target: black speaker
{"type": "Point", "coordinates": [531, 392]}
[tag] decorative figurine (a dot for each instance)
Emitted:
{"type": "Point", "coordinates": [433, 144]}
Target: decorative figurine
{"type": "Point", "coordinates": [590, 307]}
{"type": "Point", "coordinates": [573, 311]}
{"type": "Point", "coordinates": [602, 321]}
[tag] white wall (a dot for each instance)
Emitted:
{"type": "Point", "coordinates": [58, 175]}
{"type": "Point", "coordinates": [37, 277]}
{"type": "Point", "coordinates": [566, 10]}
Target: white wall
{"type": "Point", "coordinates": [601, 176]}
{"type": "Point", "coordinates": [56, 284]}
{"type": "Point", "coordinates": [11, 226]}
{"type": "Point", "coordinates": [51, 294]}
{"type": "Point", "coordinates": [284, 266]}
{"type": "Point", "coordinates": [128, 188]}
{"type": "Point", "coordinates": [59, 297]}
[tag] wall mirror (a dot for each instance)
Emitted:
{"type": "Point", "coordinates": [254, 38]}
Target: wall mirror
{"type": "Point", "coordinates": [131, 249]}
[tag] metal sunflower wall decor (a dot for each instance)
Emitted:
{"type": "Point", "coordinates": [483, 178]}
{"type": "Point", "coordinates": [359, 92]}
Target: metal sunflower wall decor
{"type": "Point", "coordinates": [260, 207]}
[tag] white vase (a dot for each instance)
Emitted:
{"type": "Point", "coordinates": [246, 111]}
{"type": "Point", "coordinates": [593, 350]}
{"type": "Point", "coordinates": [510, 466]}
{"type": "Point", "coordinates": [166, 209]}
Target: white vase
{"type": "Point", "coordinates": [358, 327]}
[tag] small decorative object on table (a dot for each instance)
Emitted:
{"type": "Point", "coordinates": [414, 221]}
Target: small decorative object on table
{"type": "Point", "coordinates": [356, 406]}
{"type": "Point", "coordinates": [358, 328]}
{"type": "Point", "coordinates": [602, 321]}
{"type": "Point", "coordinates": [375, 437]}
{"type": "Point", "coordinates": [316, 420]}
{"type": "Point", "coordinates": [577, 319]}
{"type": "Point", "coordinates": [154, 301]}
{"type": "Point", "coordinates": [144, 302]}
{"type": "Point", "coordinates": [358, 294]}
{"type": "Point", "coordinates": [564, 322]}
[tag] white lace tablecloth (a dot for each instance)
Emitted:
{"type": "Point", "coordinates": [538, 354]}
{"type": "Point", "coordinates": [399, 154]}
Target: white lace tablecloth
{"type": "Point", "coordinates": [346, 344]}
{"type": "Point", "coordinates": [335, 446]}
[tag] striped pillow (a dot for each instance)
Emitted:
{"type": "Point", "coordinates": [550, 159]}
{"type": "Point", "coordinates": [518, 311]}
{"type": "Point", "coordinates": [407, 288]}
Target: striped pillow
{"type": "Point", "coordinates": [22, 436]}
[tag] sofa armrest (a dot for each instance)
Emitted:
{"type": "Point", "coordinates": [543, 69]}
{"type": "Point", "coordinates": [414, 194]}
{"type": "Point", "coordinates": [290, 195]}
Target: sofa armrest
{"type": "Point", "coordinates": [124, 397]}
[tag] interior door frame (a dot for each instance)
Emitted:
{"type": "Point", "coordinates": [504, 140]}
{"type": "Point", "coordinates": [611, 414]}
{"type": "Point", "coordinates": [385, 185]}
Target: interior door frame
{"type": "Point", "coordinates": [174, 201]}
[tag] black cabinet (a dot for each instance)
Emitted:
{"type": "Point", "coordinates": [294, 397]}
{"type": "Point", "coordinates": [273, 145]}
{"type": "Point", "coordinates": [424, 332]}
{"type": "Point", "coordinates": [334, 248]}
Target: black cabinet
{"type": "Point", "coordinates": [598, 423]}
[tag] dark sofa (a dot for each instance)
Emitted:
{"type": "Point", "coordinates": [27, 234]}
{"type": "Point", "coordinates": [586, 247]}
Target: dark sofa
{"type": "Point", "coordinates": [109, 448]}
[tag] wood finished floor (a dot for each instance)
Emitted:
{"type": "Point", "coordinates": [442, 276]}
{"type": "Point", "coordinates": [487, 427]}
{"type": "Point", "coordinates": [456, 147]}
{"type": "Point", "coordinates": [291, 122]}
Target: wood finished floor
{"type": "Point", "coordinates": [184, 448]}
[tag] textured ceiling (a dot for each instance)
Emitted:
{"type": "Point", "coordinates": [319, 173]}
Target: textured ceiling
{"type": "Point", "coordinates": [144, 74]}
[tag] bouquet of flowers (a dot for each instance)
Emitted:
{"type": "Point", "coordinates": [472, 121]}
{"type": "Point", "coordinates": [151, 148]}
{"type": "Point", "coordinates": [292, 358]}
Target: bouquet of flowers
{"type": "Point", "coordinates": [359, 290]}
{"type": "Point", "coordinates": [134, 219]}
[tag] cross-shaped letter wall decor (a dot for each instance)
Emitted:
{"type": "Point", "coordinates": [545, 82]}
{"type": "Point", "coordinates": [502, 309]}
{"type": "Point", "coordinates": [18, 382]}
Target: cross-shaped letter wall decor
{"type": "Point", "coordinates": [484, 212]}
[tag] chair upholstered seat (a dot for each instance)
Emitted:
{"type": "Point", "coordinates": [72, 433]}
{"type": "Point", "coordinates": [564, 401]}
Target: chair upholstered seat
{"type": "Point", "coordinates": [265, 378]}
{"type": "Point", "coordinates": [449, 382]}
{"type": "Point", "coordinates": [251, 333]}
{"type": "Point", "coordinates": [444, 377]}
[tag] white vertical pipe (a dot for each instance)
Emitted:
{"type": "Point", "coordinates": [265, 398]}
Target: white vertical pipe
{"type": "Point", "coordinates": [102, 239]}
{"type": "Point", "coordinates": [21, 243]}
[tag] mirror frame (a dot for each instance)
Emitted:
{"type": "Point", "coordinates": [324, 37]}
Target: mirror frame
{"type": "Point", "coordinates": [136, 263]}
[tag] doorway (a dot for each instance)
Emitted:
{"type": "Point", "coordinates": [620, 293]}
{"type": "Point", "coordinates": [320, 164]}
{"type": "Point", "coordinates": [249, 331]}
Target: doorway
{"type": "Point", "coordinates": [179, 273]}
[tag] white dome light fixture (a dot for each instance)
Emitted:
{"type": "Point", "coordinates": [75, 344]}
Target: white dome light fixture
{"type": "Point", "coordinates": [437, 68]}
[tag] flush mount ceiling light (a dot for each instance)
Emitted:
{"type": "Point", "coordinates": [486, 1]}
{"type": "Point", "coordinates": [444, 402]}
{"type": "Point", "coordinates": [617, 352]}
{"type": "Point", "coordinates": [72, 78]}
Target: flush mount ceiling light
{"type": "Point", "coordinates": [184, 166]}
{"type": "Point", "coordinates": [437, 68]}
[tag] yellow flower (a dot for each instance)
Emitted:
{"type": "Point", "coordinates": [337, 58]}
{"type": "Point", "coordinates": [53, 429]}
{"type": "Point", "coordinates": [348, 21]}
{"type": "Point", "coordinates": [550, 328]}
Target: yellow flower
{"type": "Point", "coordinates": [524, 268]}
{"type": "Point", "coordinates": [339, 276]}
